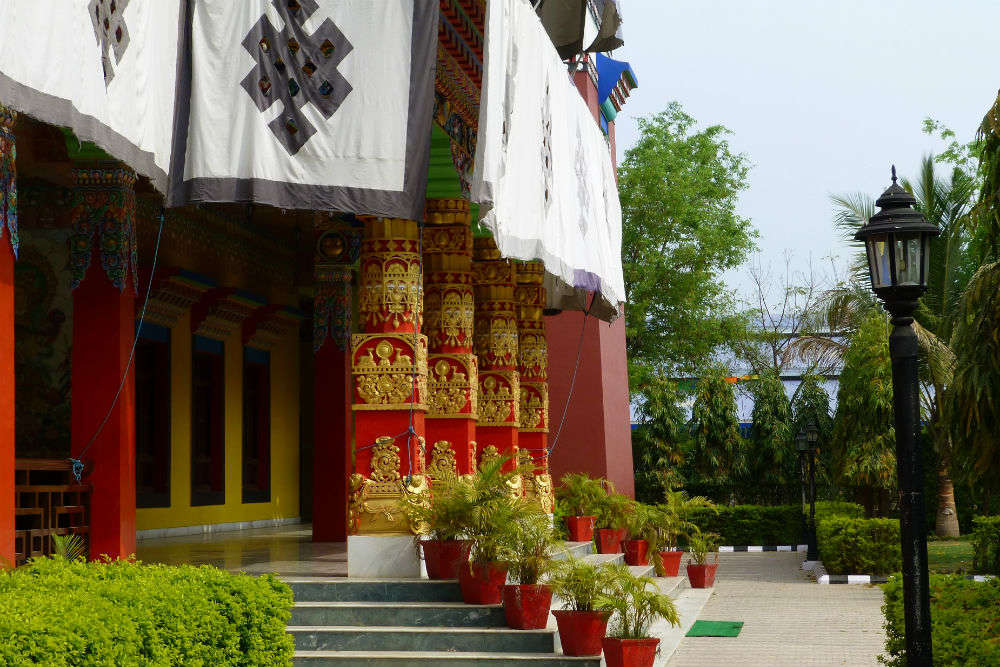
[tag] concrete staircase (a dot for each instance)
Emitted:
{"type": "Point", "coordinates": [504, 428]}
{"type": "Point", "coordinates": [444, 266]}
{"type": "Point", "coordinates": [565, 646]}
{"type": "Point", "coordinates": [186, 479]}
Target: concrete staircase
{"type": "Point", "coordinates": [395, 623]}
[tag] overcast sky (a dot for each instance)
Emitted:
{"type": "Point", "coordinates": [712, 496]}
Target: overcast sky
{"type": "Point", "coordinates": [821, 95]}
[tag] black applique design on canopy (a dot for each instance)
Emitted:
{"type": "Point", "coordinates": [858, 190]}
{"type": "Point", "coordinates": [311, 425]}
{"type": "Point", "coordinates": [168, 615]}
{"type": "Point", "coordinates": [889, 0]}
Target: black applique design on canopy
{"type": "Point", "coordinates": [296, 67]}
{"type": "Point", "coordinates": [111, 32]}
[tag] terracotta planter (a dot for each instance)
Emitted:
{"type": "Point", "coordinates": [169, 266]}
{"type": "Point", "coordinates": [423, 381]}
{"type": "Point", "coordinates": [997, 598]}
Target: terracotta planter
{"type": "Point", "coordinates": [580, 528]}
{"type": "Point", "coordinates": [622, 536]}
{"type": "Point", "coordinates": [527, 607]}
{"type": "Point", "coordinates": [608, 541]}
{"type": "Point", "coordinates": [482, 584]}
{"type": "Point", "coordinates": [445, 558]}
{"type": "Point", "coordinates": [581, 632]}
{"type": "Point", "coordinates": [702, 576]}
{"type": "Point", "coordinates": [636, 552]}
{"type": "Point", "coordinates": [630, 652]}
{"type": "Point", "coordinates": [671, 562]}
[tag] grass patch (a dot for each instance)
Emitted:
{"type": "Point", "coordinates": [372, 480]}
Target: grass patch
{"type": "Point", "coordinates": [950, 556]}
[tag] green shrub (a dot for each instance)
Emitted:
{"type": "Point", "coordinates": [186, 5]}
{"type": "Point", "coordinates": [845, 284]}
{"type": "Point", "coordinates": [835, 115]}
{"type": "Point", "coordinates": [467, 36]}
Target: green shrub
{"type": "Point", "coordinates": [859, 546]}
{"type": "Point", "coordinates": [740, 525]}
{"type": "Point", "coordinates": [826, 509]}
{"type": "Point", "coordinates": [61, 613]}
{"type": "Point", "coordinates": [986, 544]}
{"type": "Point", "coordinates": [964, 627]}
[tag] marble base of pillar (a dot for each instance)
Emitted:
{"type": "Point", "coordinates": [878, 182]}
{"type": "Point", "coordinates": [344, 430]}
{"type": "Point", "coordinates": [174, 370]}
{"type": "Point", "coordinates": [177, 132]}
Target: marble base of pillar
{"type": "Point", "coordinates": [382, 557]}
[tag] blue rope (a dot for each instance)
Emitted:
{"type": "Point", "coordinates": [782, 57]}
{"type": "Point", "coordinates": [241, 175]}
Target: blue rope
{"type": "Point", "coordinates": [78, 461]}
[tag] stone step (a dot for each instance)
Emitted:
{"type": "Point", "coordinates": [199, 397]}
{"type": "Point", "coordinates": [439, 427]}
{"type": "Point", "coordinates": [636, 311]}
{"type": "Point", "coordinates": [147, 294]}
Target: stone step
{"type": "Point", "coordinates": [575, 549]}
{"type": "Point", "coordinates": [437, 659]}
{"type": "Point", "coordinates": [398, 638]}
{"type": "Point", "coordinates": [604, 558]}
{"type": "Point", "coordinates": [412, 614]}
{"type": "Point", "coordinates": [339, 589]}
{"type": "Point", "coordinates": [642, 570]}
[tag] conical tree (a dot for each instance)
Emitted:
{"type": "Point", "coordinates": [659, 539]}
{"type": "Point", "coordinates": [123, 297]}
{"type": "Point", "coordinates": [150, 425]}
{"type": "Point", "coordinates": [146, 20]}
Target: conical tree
{"type": "Point", "coordinates": [658, 444]}
{"type": "Point", "coordinates": [771, 455]}
{"type": "Point", "coordinates": [715, 429]}
{"type": "Point", "coordinates": [864, 438]}
{"type": "Point", "coordinates": [811, 405]}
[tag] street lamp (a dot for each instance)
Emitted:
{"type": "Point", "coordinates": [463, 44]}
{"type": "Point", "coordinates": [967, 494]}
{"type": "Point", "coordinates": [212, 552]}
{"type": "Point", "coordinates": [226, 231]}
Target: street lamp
{"type": "Point", "coordinates": [800, 444]}
{"type": "Point", "coordinates": [897, 240]}
{"type": "Point", "coordinates": [806, 443]}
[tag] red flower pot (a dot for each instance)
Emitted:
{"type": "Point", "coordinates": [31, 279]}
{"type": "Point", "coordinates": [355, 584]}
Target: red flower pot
{"type": "Point", "coordinates": [608, 541]}
{"type": "Point", "coordinates": [581, 632]}
{"type": "Point", "coordinates": [702, 576]}
{"type": "Point", "coordinates": [482, 584]}
{"type": "Point", "coordinates": [671, 562]}
{"type": "Point", "coordinates": [636, 552]}
{"type": "Point", "coordinates": [527, 607]}
{"type": "Point", "coordinates": [445, 558]}
{"type": "Point", "coordinates": [622, 536]}
{"type": "Point", "coordinates": [630, 652]}
{"type": "Point", "coordinates": [580, 528]}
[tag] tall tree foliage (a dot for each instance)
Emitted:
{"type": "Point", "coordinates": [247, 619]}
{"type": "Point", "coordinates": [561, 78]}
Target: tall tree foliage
{"type": "Point", "coordinates": [715, 429]}
{"type": "Point", "coordinates": [770, 458]}
{"type": "Point", "coordinates": [679, 187]}
{"type": "Point", "coordinates": [659, 444]}
{"type": "Point", "coordinates": [811, 406]}
{"type": "Point", "coordinates": [863, 437]}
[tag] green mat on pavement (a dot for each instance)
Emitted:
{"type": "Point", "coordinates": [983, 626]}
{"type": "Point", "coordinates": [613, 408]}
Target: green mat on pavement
{"type": "Point", "coordinates": [715, 629]}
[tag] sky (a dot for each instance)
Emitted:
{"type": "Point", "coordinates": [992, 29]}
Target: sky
{"type": "Point", "coordinates": [823, 96]}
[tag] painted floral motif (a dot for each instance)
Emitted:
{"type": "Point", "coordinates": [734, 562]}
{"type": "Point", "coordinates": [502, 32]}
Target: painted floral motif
{"type": "Point", "coordinates": [104, 210]}
{"type": "Point", "coordinates": [8, 177]}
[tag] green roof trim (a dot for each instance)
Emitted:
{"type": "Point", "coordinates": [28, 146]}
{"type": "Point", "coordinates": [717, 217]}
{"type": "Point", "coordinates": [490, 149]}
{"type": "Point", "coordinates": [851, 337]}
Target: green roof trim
{"type": "Point", "coordinates": [82, 150]}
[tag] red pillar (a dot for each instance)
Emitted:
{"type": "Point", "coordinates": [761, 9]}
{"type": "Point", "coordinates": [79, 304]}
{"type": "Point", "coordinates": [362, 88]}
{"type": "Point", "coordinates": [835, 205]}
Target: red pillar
{"type": "Point", "coordinates": [8, 228]}
{"type": "Point", "coordinates": [103, 335]}
{"type": "Point", "coordinates": [336, 250]}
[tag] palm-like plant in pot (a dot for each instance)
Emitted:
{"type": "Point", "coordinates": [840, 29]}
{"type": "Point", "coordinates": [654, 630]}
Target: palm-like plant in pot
{"type": "Point", "coordinates": [490, 525]}
{"type": "Point", "coordinates": [701, 573]}
{"type": "Point", "coordinates": [612, 521]}
{"type": "Point", "coordinates": [526, 601]}
{"type": "Point", "coordinates": [636, 604]}
{"type": "Point", "coordinates": [642, 523]}
{"type": "Point", "coordinates": [581, 497]}
{"type": "Point", "coordinates": [583, 587]}
{"type": "Point", "coordinates": [442, 524]}
{"type": "Point", "coordinates": [674, 522]}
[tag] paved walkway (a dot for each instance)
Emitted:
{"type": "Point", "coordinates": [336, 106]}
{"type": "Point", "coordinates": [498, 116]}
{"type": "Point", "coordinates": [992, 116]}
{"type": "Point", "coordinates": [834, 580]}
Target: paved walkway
{"type": "Point", "coordinates": [788, 619]}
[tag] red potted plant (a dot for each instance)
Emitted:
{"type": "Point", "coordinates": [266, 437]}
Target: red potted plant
{"type": "Point", "coordinates": [583, 588]}
{"type": "Point", "coordinates": [673, 522]}
{"type": "Point", "coordinates": [440, 524]}
{"type": "Point", "coordinates": [612, 516]}
{"type": "Point", "coordinates": [701, 573]}
{"type": "Point", "coordinates": [526, 602]}
{"type": "Point", "coordinates": [634, 609]}
{"type": "Point", "coordinates": [580, 496]}
{"type": "Point", "coordinates": [642, 529]}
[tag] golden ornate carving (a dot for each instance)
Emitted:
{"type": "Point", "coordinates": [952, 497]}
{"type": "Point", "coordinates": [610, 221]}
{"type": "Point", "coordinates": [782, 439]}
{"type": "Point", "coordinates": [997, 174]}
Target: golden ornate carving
{"type": "Point", "coordinates": [386, 375]}
{"type": "Point", "coordinates": [444, 211]}
{"type": "Point", "coordinates": [496, 340]}
{"type": "Point", "coordinates": [543, 492]}
{"type": "Point", "coordinates": [534, 406]}
{"type": "Point", "coordinates": [453, 386]}
{"type": "Point", "coordinates": [390, 292]}
{"type": "Point", "coordinates": [443, 462]}
{"type": "Point", "coordinates": [533, 355]}
{"type": "Point", "coordinates": [375, 504]}
{"type": "Point", "coordinates": [450, 312]}
{"type": "Point", "coordinates": [489, 453]}
{"type": "Point", "coordinates": [499, 398]}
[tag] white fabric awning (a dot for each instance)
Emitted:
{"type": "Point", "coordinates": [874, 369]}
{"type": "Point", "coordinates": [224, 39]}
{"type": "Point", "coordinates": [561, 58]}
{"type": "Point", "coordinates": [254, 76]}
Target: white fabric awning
{"type": "Point", "coordinates": [543, 175]}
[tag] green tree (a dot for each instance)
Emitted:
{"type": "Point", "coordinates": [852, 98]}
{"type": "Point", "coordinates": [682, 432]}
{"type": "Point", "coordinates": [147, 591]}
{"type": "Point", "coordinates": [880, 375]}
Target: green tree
{"type": "Point", "coordinates": [659, 443]}
{"type": "Point", "coordinates": [679, 187]}
{"type": "Point", "coordinates": [770, 456]}
{"type": "Point", "coordinates": [811, 405]}
{"type": "Point", "coordinates": [715, 430]}
{"type": "Point", "coordinates": [863, 438]}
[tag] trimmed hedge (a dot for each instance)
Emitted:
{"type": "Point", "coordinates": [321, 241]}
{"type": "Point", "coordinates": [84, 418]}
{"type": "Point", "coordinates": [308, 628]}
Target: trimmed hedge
{"type": "Point", "coordinates": [60, 613]}
{"type": "Point", "coordinates": [744, 525]}
{"type": "Point", "coordinates": [859, 546]}
{"type": "Point", "coordinates": [827, 509]}
{"type": "Point", "coordinates": [965, 622]}
{"type": "Point", "coordinates": [986, 544]}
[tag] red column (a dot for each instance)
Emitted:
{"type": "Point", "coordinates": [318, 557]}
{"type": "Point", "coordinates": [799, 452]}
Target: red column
{"type": "Point", "coordinates": [336, 250]}
{"type": "Point", "coordinates": [496, 349]}
{"type": "Point", "coordinates": [453, 376]}
{"type": "Point", "coordinates": [8, 229]}
{"type": "Point", "coordinates": [103, 335]}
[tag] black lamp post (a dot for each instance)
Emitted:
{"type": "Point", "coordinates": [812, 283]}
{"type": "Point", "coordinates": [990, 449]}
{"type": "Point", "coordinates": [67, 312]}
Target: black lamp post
{"type": "Point", "coordinates": [802, 447]}
{"type": "Point", "coordinates": [806, 443]}
{"type": "Point", "coordinates": [897, 240]}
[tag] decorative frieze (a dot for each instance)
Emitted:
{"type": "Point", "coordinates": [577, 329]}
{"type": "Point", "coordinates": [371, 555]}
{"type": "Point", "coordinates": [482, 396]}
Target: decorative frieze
{"type": "Point", "coordinates": [104, 213]}
{"type": "Point", "coordinates": [453, 381]}
{"type": "Point", "coordinates": [336, 251]}
{"type": "Point", "coordinates": [390, 371]}
{"type": "Point", "coordinates": [222, 311]}
{"type": "Point", "coordinates": [499, 398]}
{"type": "Point", "coordinates": [174, 295]}
{"type": "Point", "coordinates": [278, 324]}
{"type": "Point", "coordinates": [376, 501]}
{"type": "Point", "coordinates": [534, 406]}
{"type": "Point", "coordinates": [390, 293]}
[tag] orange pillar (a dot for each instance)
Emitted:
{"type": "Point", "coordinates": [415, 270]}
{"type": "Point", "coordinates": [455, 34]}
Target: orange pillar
{"type": "Point", "coordinates": [533, 366]}
{"type": "Point", "coordinates": [448, 321]}
{"type": "Point", "coordinates": [496, 349]}
{"type": "Point", "coordinates": [103, 233]}
{"type": "Point", "coordinates": [389, 369]}
{"type": "Point", "coordinates": [8, 240]}
{"type": "Point", "coordinates": [336, 251]}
